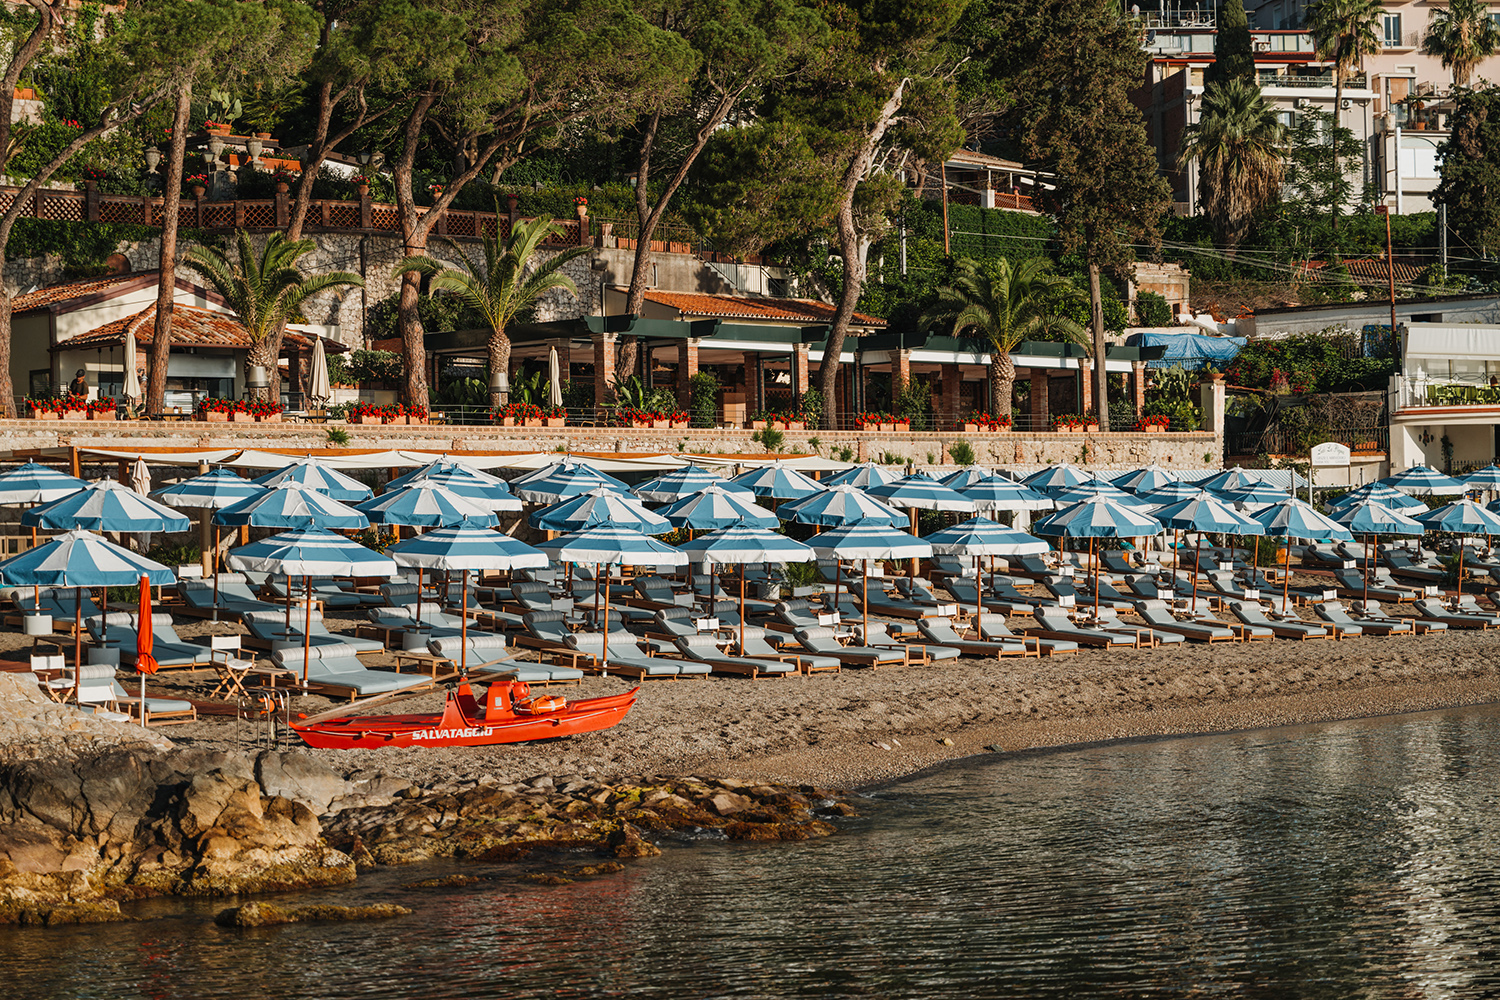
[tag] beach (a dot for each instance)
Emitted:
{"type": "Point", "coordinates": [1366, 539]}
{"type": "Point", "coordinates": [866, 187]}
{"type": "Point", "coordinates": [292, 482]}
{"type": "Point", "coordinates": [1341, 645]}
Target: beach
{"type": "Point", "coordinates": [862, 727]}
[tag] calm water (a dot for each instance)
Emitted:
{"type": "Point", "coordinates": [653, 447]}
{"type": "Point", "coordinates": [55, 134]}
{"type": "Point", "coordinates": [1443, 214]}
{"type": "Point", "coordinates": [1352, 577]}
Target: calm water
{"type": "Point", "coordinates": [1346, 860]}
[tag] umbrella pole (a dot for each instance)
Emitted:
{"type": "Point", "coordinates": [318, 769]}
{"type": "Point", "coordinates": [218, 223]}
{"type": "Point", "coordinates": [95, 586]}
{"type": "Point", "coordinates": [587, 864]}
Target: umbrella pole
{"type": "Point", "coordinates": [419, 596]}
{"type": "Point", "coordinates": [742, 609]}
{"type": "Point", "coordinates": [978, 596]}
{"type": "Point", "coordinates": [604, 663]}
{"type": "Point", "coordinates": [1458, 583]}
{"type": "Point", "coordinates": [288, 626]}
{"type": "Point", "coordinates": [1197, 550]}
{"type": "Point", "coordinates": [78, 638]}
{"type": "Point", "coordinates": [217, 529]}
{"type": "Point", "coordinates": [1286, 575]}
{"type": "Point", "coordinates": [306, 625]}
{"type": "Point", "coordinates": [463, 628]}
{"type": "Point", "coordinates": [1095, 564]}
{"type": "Point", "coordinates": [1367, 568]}
{"type": "Point", "coordinates": [864, 600]}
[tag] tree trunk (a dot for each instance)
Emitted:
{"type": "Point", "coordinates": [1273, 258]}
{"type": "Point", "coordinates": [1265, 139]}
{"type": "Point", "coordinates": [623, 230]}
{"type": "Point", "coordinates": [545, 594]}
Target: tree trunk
{"type": "Point", "coordinates": [1002, 383]}
{"type": "Point", "coordinates": [260, 353]}
{"type": "Point", "coordinates": [499, 348]}
{"type": "Point", "coordinates": [1101, 377]}
{"type": "Point", "coordinates": [161, 344]}
{"type": "Point", "coordinates": [413, 349]}
{"type": "Point", "coordinates": [627, 360]}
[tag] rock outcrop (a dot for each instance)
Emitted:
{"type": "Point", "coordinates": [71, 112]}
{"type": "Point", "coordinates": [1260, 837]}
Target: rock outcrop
{"type": "Point", "coordinates": [270, 915]}
{"type": "Point", "coordinates": [32, 726]}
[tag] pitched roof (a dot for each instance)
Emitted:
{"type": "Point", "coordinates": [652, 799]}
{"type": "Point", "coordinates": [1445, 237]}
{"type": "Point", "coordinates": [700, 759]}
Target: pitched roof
{"type": "Point", "coordinates": [191, 327]}
{"type": "Point", "coordinates": [746, 307]}
{"type": "Point", "coordinates": [54, 294]}
{"type": "Point", "coordinates": [1371, 270]}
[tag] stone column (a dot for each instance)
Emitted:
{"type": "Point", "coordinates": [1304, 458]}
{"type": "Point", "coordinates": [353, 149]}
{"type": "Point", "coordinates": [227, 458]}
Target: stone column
{"type": "Point", "coordinates": [604, 366]}
{"type": "Point", "coordinates": [1138, 387]}
{"type": "Point", "coordinates": [1212, 400]}
{"type": "Point", "coordinates": [757, 373]}
{"type": "Point", "coordinates": [1086, 391]}
{"type": "Point", "coordinates": [687, 367]}
{"type": "Point", "coordinates": [950, 400]}
{"type": "Point", "coordinates": [1041, 413]}
{"type": "Point", "coordinates": [799, 369]}
{"type": "Point", "coordinates": [900, 370]}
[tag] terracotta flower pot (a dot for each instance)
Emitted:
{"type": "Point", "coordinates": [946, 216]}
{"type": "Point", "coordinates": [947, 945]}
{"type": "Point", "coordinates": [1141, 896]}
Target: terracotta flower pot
{"type": "Point", "coordinates": [396, 420]}
{"type": "Point", "coordinates": [757, 425]}
{"type": "Point", "coordinates": [270, 418]}
{"type": "Point", "coordinates": [507, 421]}
{"type": "Point", "coordinates": [242, 418]}
{"type": "Point", "coordinates": [661, 425]}
{"type": "Point", "coordinates": [43, 415]}
{"type": "Point", "coordinates": [678, 425]}
{"type": "Point", "coordinates": [369, 421]}
{"type": "Point", "coordinates": [215, 417]}
{"type": "Point", "coordinates": [557, 421]}
{"type": "Point", "coordinates": [530, 422]}
{"type": "Point", "coordinates": [74, 415]}
{"type": "Point", "coordinates": [973, 428]}
{"type": "Point", "coordinates": [199, 190]}
{"type": "Point", "coordinates": [101, 414]}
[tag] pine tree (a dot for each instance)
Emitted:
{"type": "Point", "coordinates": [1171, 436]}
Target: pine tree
{"type": "Point", "coordinates": [1471, 171]}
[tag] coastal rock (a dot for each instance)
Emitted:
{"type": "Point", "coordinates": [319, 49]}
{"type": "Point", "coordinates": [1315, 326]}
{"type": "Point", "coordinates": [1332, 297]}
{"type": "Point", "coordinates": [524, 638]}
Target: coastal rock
{"type": "Point", "coordinates": [34, 727]}
{"type": "Point", "coordinates": [269, 914]}
{"type": "Point", "coordinates": [301, 777]}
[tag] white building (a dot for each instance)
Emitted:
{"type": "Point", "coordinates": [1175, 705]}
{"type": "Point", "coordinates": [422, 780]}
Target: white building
{"type": "Point", "coordinates": [1446, 397]}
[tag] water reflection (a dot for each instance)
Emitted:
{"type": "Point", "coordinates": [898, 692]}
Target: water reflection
{"type": "Point", "coordinates": [1357, 859]}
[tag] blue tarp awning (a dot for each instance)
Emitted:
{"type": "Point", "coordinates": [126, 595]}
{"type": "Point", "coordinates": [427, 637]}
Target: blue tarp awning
{"type": "Point", "coordinates": [1190, 350]}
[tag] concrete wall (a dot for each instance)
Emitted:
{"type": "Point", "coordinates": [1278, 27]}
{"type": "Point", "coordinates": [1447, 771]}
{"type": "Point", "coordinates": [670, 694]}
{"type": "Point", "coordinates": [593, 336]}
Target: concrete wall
{"type": "Point", "coordinates": [1355, 316]}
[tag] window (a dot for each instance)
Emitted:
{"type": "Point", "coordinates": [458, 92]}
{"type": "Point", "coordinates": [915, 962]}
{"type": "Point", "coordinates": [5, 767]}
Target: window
{"type": "Point", "coordinates": [1392, 30]}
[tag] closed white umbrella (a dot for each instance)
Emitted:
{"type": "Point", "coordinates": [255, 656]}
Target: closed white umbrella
{"type": "Point", "coordinates": [318, 386]}
{"type": "Point", "coordinates": [554, 374]}
{"type": "Point", "coordinates": [132, 379]}
{"type": "Point", "coordinates": [140, 481]}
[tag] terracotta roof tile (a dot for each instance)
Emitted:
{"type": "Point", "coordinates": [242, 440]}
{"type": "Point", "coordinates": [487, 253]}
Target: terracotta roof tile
{"type": "Point", "coordinates": [746, 307]}
{"type": "Point", "coordinates": [73, 290]}
{"type": "Point", "coordinates": [191, 327]}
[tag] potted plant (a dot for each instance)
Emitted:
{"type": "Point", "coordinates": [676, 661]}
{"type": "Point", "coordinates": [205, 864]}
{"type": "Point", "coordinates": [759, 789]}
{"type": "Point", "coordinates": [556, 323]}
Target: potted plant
{"type": "Point", "coordinates": [581, 206]}
{"type": "Point", "coordinates": [362, 183]}
{"type": "Point", "coordinates": [1153, 425]}
{"type": "Point", "coordinates": [93, 175]}
{"type": "Point", "coordinates": [416, 414]}
{"type": "Point", "coordinates": [557, 417]}
{"type": "Point", "coordinates": [44, 409]}
{"type": "Point", "coordinates": [758, 420]}
{"type": "Point", "coordinates": [214, 410]}
{"type": "Point", "coordinates": [364, 414]}
{"type": "Point", "coordinates": [266, 411]}
{"type": "Point", "coordinates": [900, 424]}
{"type": "Point", "coordinates": [283, 180]}
{"type": "Point", "coordinates": [216, 128]}
{"type": "Point", "coordinates": [197, 183]}
{"type": "Point", "coordinates": [435, 190]}
{"type": "Point", "coordinates": [74, 408]}
{"type": "Point", "coordinates": [1069, 423]}
{"type": "Point", "coordinates": [679, 420]}
{"type": "Point", "coordinates": [102, 409]}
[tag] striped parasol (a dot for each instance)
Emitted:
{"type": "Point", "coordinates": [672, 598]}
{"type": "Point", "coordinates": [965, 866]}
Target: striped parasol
{"type": "Point", "coordinates": [1487, 478]}
{"type": "Point", "coordinates": [106, 505]}
{"type": "Point", "coordinates": [966, 477]}
{"type": "Point", "coordinates": [920, 491]}
{"type": "Point", "coordinates": [1145, 480]}
{"type": "Point", "coordinates": [863, 476]}
{"type": "Point", "coordinates": [1056, 477]}
{"type": "Point", "coordinates": [864, 542]}
{"type": "Point", "coordinates": [1001, 493]}
{"type": "Point", "coordinates": [212, 490]}
{"type": "Point", "coordinates": [980, 537]}
{"type": "Point", "coordinates": [738, 546]}
{"type": "Point", "coordinates": [564, 480]}
{"type": "Point", "coordinates": [291, 505]}
{"type": "Point", "coordinates": [1371, 518]}
{"type": "Point", "coordinates": [35, 483]}
{"type": "Point", "coordinates": [601, 505]}
{"type": "Point", "coordinates": [1087, 491]}
{"type": "Point", "coordinates": [1237, 478]}
{"type": "Point", "coordinates": [715, 507]}
{"type": "Point", "coordinates": [1293, 518]}
{"type": "Point", "coordinates": [1380, 493]}
{"type": "Point", "coordinates": [778, 482]}
{"type": "Point", "coordinates": [1423, 481]}
{"type": "Point", "coordinates": [425, 504]}
{"type": "Point", "coordinates": [672, 486]}
{"type": "Point", "coordinates": [1097, 517]}
{"type": "Point", "coordinates": [841, 505]}
{"type": "Point", "coordinates": [313, 475]}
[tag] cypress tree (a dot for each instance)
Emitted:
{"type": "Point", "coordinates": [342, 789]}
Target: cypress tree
{"type": "Point", "coordinates": [1234, 53]}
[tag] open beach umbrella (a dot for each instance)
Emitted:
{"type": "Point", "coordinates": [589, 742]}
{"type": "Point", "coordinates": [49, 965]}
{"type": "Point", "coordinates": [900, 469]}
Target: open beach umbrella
{"type": "Point", "coordinates": [319, 388]}
{"type": "Point", "coordinates": [1461, 517]}
{"type": "Point", "coordinates": [1002, 493]}
{"type": "Point", "coordinates": [36, 483]}
{"type": "Point", "coordinates": [106, 505]}
{"type": "Point", "coordinates": [446, 464]}
{"type": "Point", "coordinates": [1087, 491]}
{"type": "Point", "coordinates": [965, 477]}
{"type": "Point", "coordinates": [1371, 518]}
{"type": "Point", "coordinates": [776, 481]}
{"type": "Point", "coordinates": [600, 505]}
{"type": "Point", "coordinates": [209, 491]}
{"type": "Point", "coordinates": [979, 537]}
{"type": "Point", "coordinates": [1204, 513]}
{"type": "Point", "coordinates": [919, 491]}
{"type": "Point", "coordinates": [571, 465]}
{"type": "Point", "coordinates": [425, 504]}
{"type": "Point", "coordinates": [1056, 477]}
{"type": "Point", "coordinates": [672, 486]}
{"type": "Point", "coordinates": [1176, 493]}
{"type": "Point", "coordinates": [1384, 495]}
{"type": "Point", "coordinates": [611, 546]}
{"type": "Point", "coordinates": [864, 542]}
{"type": "Point", "coordinates": [714, 507]}
{"type": "Point", "coordinates": [864, 475]}
{"type": "Point", "coordinates": [559, 482]}
{"type": "Point", "coordinates": [1253, 498]}
{"type": "Point", "coordinates": [290, 504]}
{"type": "Point", "coordinates": [495, 496]}
{"type": "Point", "coordinates": [1145, 480]}
{"type": "Point", "coordinates": [1423, 481]}
{"type": "Point", "coordinates": [742, 545]}
{"type": "Point", "coordinates": [1237, 478]}
{"type": "Point", "coordinates": [313, 475]}
{"type": "Point", "coordinates": [1293, 518]}
{"type": "Point", "coordinates": [841, 505]}
{"type": "Point", "coordinates": [1097, 517]}
{"type": "Point", "coordinates": [465, 549]}
{"type": "Point", "coordinates": [1487, 478]}
{"type": "Point", "coordinates": [81, 559]}
{"type": "Point", "coordinates": [309, 552]}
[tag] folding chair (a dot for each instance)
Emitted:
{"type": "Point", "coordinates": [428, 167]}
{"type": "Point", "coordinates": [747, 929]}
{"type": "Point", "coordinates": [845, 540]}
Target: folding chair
{"type": "Point", "coordinates": [229, 665]}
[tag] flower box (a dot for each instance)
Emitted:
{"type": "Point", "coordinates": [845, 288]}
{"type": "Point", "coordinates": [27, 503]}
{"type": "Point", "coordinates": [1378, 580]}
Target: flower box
{"type": "Point", "coordinates": [369, 421]}
{"type": "Point", "coordinates": [74, 415]}
{"type": "Point", "coordinates": [661, 425]}
{"type": "Point", "coordinates": [43, 415]}
{"type": "Point", "coordinates": [507, 421]}
{"type": "Point", "coordinates": [678, 425]}
{"type": "Point", "coordinates": [757, 425]}
{"type": "Point", "coordinates": [1092, 428]}
{"type": "Point", "coordinates": [1068, 430]}
{"type": "Point", "coordinates": [556, 421]}
{"type": "Point", "coordinates": [415, 420]}
{"type": "Point", "coordinates": [974, 428]}
{"type": "Point", "coordinates": [900, 428]}
{"type": "Point", "coordinates": [397, 420]}
{"type": "Point", "coordinates": [214, 417]}
{"type": "Point", "coordinates": [269, 418]}
{"type": "Point", "coordinates": [1153, 429]}
{"type": "Point", "coordinates": [533, 422]}
{"type": "Point", "coordinates": [101, 414]}
{"type": "Point", "coordinates": [242, 418]}
{"type": "Point", "coordinates": [796, 425]}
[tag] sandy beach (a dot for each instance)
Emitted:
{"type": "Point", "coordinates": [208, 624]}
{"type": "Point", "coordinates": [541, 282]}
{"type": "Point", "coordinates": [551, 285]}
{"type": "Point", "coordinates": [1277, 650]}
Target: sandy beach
{"type": "Point", "coordinates": [862, 727]}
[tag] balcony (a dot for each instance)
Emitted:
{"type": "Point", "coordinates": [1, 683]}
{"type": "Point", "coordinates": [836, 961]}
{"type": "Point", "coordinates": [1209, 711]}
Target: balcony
{"type": "Point", "coordinates": [1414, 392]}
{"type": "Point", "coordinates": [1310, 81]}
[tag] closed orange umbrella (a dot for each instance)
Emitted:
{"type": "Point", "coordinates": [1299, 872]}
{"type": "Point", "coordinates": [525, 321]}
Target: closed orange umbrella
{"type": "Point", "coordinates": [145, 663]}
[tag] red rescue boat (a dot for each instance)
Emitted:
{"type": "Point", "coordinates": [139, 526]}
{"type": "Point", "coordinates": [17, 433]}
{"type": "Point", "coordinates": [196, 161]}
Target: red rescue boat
{"type": "Point", "coordinates": [508, 715]}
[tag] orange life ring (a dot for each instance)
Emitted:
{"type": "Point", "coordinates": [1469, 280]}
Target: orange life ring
{"type": "Point", "coordinates": [542, 704]}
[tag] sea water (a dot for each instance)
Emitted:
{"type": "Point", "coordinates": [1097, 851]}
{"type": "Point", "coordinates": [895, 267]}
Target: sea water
{"type": "Point", "coordinates": [1357, 859]}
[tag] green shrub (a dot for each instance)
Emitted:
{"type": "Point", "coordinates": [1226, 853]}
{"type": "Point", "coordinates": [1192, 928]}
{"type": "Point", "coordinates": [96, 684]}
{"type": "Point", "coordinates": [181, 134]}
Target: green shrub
{"type": "Point", "coordinates": [1152, 309]}
{"type": "Point", "coordinates": [962, 453]}
{"type": "Point", "coordinates": [703, 404]}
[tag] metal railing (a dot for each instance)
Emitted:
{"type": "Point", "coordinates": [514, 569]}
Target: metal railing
{"type": "Point", "coordinates": [1279, 440]}
{"type": "Point", "coordinates": [1449, 390]}
{"type": "Point", "coordinates": [1309, 81]}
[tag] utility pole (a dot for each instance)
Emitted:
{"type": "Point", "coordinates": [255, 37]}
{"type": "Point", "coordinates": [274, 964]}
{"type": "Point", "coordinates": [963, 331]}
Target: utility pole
{"type": "Point", "coordinates": [1390, 262]}
{"type": "Point", "coordinates": [1443, 237]}
{"type": "Point", "coordinates": [947, 250]}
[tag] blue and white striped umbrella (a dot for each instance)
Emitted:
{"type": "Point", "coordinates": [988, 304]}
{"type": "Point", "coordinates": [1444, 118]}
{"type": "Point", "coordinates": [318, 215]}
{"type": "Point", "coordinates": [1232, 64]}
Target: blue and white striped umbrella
{"type": "Point", "coordinates": [1056, 477]}
{"type": "Point", "coordinates": [36, 483]}
{"type": "Point", "coordinates": [291, 505]}
{"type": "Point", "coordinates": [778, 482]}
{"type": "Point", "coordinates": [673, 486]}
{"type": "Point", "coordinates": [217, 488]}
{"type": "Point", "coordinates": [965, 477]}
{"type": "Point", "coordinates": [745, 544]}
{"type": "Point", "coordinates": [1001, 493]}
{"type": "Point", "coordinates": [921, 491]}
{"type": "Point", "coordinates": [81, 559]}
{"type": "Point", "coordinates": [1255, 497]}
{"type": "Point", "coordinates": [1089, 490]}
{"type": "Point", "coordinates": [465, 548]}
{"type": "Point", "coordinates": [568, 465]}
{"type": "Point", "coordinates": [310, 552]}
{"type": "Point", "coordinates": [105, 505]}
{"type": "Point", "coordinates": [1462, 517]}
{"type": "Point", "coordinates": [446, 466]}
{"type": "Point", "coordinates": [1206, 512]}
{"type": "Point", "coordinates": [1293, 518]}
{"type": "Point", "coordinates": [1236, 478]}
{"type": "Point", "coordinates": [1423, 481]}
{"type": "Point", "coordinates": [868, 541]}
{"type": "Point", "coordinates": [1175, 493]}
{"type": "Point", "coordinates": [714, 507]}
{"type": "Point", "coordinates": [979, 536]}
{"type": "Point", "coordinates": [862, 476]}
{"type": "Point", "coordinates": [424, 504]}
{"type": "Point", "coordinates": [841, 505]}
{"type": "Point", "coordinates": [1381, 494]}
{"type": "Point", "coordinates": [611, 546]}
{"type": "Point", "coordinates": [601, 505]}
{"type": "Point", "coordinates": [1152, 477]}
{"type": "Point", "coordinates": [1098, 518]}
{"type": "Point", "coordinates": [1369, 517]}
{"type": "Point", "coordinates": [308, 472]}
{"type": "Point", "coordinates": [492, 493]}
{"type": "Point", "coordinates": [1487, 478]}
{"type": "Point", "coordinates": [559, 482]}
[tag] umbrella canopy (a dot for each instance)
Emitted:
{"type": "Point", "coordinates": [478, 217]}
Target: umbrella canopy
{"type": "Point", "coordinates": [311, 552]}
{"type": "Point", "coordinates": [1055, 477]}
{"type": "Point", "coordinates": [318, 386]}
{"type": "Point", "coordinates": [715, 507]}
{"type": "Point", "coordinates": [1000, 493]}
{"type": "Point", "coordinates": [308, 472]}
{"type": "Point", "coordinates": [869, 541]}
{"type": "Point", "coordinates": [1462, 517]}
{"type": "Point", "coordinates": [778, 482]}
{"type": "Point", "coordinates": [745, 544]}
{"type": "Point", "coordinates": [1098, 517]}
{"type": "Point", "coordinates": [106, 506]}
{"type": "Point", "coordinates": [601, 505]}
{"type": "Point", "coordinates": [1206, 512]}
{"type": "Point", "coordinates": [446, 465]}
{"type": "Point", "coordinates": [427, 505]}
{"type": "Point", "coordinates": [1293, 518]}
{"type": "Point", "coordinates": [1423, 481]}
{"type": "Point", "coordinates": [554, 379]}
{"type": "Point", "coordinates": [864, 475]}
{"type": "Point", "coordinates": [965, 477]}
{"type": "Point", "coordinates": [1236, 478]}
{"type": "Point", "coordinates": [132, 387]}
{"type": "Point", "coordinates": [674, 485]}
{"type": "Point", "coordinates": [559, 482]}
{"type": "Point", "coordinates": [217, 488]}
{"type": "Point", "coordinates": [494, 496]}
{"type": "Point", "coordinates": [1257, 496]}
{"type": "Point", "coordinates": [1369, 517]}
{"type": "Point", "coordinates": [567, 463]}
{"type": "Point", "coordinates": [1175, 493]}
{"type": "Point", "coordinates": [81, 559]}
{"type": "Point", "coordinates": [1152, 477]}
{"type": "Point", "coordinates": [1381, 494]}
{"type": "Point", "coordinates": [921, 491]}
{"type": "Point", "coordinates": [980, 536]}
{"type": "Point", "coordinates": [842, 505]}
{"type": "Point", "coordinates": [1088, 491]}
{"type": "Point", "coordinates": [606, 545]}
{"type": "Point", "coordinates": [34, 483]}
{"type": "Point", "coordinates": [1487, 478]}
{"type": "Point", "coordinates": [291, 505]}
{"type": "Point", "coordinates": [466, 548]}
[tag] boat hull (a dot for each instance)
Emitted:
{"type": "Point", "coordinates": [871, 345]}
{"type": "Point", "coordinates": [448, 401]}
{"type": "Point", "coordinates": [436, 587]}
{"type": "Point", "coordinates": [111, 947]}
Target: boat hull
{"type": "Point", "coordinates": [463, 723]}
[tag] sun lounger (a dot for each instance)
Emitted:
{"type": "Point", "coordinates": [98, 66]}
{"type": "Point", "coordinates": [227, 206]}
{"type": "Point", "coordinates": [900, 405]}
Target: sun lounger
{"type": "Point", "coordinates": [1253, 614]}
{"type": "Point", "coordinates": [1322, 557]}
{"type": "Point", "coordinates": [628, 660]}
{"type": "Point", "coordinates": [1082, 595]}
{"type": "Point", "coordinates": [1346, 627]}
{"type": "Point", "coordinates": [705, 649]}
{"type": "Point", "coordinates": [878, 636]}
{"type": "Point", "coordinates": [796, 613]}
{"type": "Point", "coordinates": [268, 629]}
{"type": "Point", "coordinates": [235, 597]}
{"type": "Point", "coordinates": [940, 632]}
{"type": "Point", "coordinates": [823, 642]}
{"type": "Point", "coordinates": [487, 659]}
{"type": "Point", "coordinates": [1035, 568]}
{"type": "Point", "coordinates": [65, 604]}
{"type": "Point", "coordinates": [1468, 604]}
{"type": "Point", "coordinates": [1057, 625]}
{"type": "Point", "coordinates": [1351, 584]}
{"type": "Point", "coordinates": [1371, 611]}
{"type": "Point", "coordinates": [753, 642]}
{"type": "Point", "coordinates": [1159, 618]}
{"type": "Point", "coordinates": [156, 711]}
{"type": "Point", "coordinates": [1108, 620]}
{"type": "Point", "coordinates": [1437, 611]}
{"type": "Point", "coordinates": [892, 606]}
{"type": "Point", "coordinates": [1401, 564]}
{"type": "Point", "coordinates": [992, 628]}
{"type": "Point", "coordinates": [324, 590]}
{"type": "Point", "coordinates": [965, 592]}
{"type": "Point", "coordinates": [338, 670]}
{"type": "Point", "coordinates": [120, 630]}
{"type": "Point", "coordinates": [1355, 553]}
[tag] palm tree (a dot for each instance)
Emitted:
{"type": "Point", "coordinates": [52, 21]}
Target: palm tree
{"type": "Point", "coordinates": [265, 291]}
{"type": "Point", "coordinates": [1461, 36]}
{"type": "Point", "coordinates": [1007, 304]}
{"type": "Point", "coordinates": [1344, 32]}
{"type": "Point", "coordinates": [1238, 144]}
{"type": "Point", "coordinates": [500, 286]}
